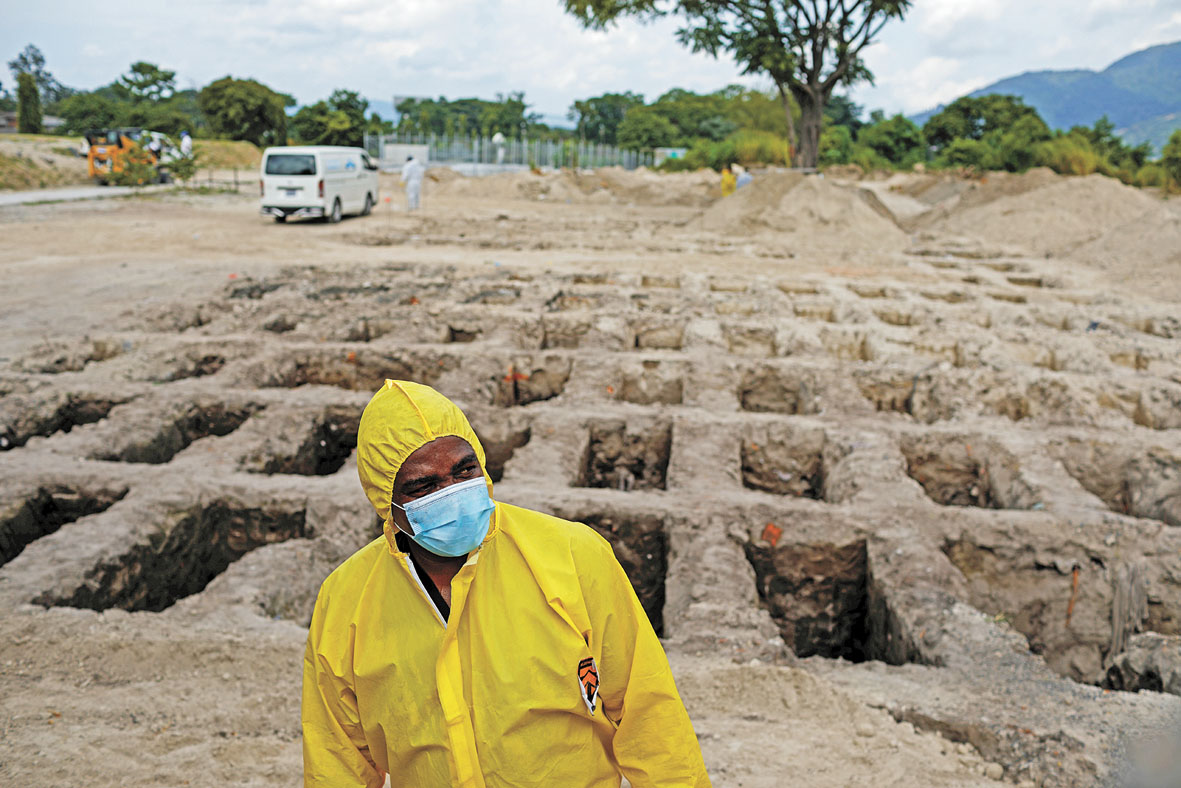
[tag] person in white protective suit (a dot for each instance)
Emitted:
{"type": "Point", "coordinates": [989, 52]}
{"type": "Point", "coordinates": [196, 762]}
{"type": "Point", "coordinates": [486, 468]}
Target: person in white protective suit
{"type": "Point", "coordinates": [186, 144]}
{"type": "Point", "coordinates": [412, 172]}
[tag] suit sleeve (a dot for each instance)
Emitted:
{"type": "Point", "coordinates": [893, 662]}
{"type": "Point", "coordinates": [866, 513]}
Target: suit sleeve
{"type": "Point", "coordinates": [654, 743]}
{"type": "Point", "coordinates": [335, 752]}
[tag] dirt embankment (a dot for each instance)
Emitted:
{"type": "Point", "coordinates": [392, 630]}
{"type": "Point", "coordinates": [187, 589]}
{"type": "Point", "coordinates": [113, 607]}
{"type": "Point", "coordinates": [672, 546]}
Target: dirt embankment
{"type": "Point", "coordinates": [33, 161]}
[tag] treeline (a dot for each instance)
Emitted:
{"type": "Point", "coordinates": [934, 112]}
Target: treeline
{"type": "Point", "coordinates": [995, 132]}
{"type": "Point", "coordinates": [245, 109]}
{"type": "Point", "coordinates": [735, 124]}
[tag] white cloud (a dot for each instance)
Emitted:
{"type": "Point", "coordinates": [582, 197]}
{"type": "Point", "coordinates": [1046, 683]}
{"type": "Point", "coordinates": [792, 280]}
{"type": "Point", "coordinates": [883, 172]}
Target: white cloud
{"type": "Point", "coordinates": [943, 17]}
{"type": "Point", "coordinates": [92, 50]}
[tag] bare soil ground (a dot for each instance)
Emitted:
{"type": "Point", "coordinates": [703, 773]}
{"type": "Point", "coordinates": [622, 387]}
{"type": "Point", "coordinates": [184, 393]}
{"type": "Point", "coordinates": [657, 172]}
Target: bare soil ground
{"type": "Point", "coordinates": [895, 467]}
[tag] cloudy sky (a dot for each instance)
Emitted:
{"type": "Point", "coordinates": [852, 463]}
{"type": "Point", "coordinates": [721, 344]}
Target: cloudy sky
{"type": "Point", "coordinates": [460, 48]}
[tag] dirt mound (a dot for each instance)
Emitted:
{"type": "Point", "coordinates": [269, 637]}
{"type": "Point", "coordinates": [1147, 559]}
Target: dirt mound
{"type": "Point", "coordinates": [36, 162]}
{"type": "Point", "coordinates": [1146, 251]}
{"type": "Point", "coordinates": [816, 211]}
{"type": "Point", "coordinates": [1054, 219]}
{"type": "Point", "coordinates": [644, 187]}
{"type": "Point", "coordinates": [604, 185]}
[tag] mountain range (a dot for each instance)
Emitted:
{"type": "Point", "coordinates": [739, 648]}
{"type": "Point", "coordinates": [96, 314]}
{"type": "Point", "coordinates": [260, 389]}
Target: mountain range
{"type": "Point", "coordinates": [1139, 93]}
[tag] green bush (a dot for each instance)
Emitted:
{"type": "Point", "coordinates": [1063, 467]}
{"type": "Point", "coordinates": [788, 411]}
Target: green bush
{"type": "Point", "coordinates": [138, 168]}
{"type": "Point", "coordinates": [836, 146]}
{"type": "Point", "coordinates": [1152, 175]}
{"type": "Point", "coordinates": [869, 159]}
{"type": "Point", "coordinates": [758, 147]}
{"type": "Point", "coordinates": [964, 152]}
{"type": "Point", "coordinates": [1170, 159]}
{"type": "Point", "coordinates": [183, 168]}
{"type": "Point", "coordinates": [1068, 155]}
{"type": "Point", "coordinates": [897, 140]}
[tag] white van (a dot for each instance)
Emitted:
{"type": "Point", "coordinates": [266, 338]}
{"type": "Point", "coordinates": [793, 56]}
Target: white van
{"type": "Point", "coordinates": [325, 181]}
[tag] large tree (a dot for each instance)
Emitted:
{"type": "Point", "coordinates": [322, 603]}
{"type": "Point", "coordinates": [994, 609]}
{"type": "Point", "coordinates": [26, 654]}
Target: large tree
{"type": "Point", "coordinates": [807, 47]}
{"type": "Point", "coordinates": [598, 118]}
{"type": "Point", "coordinates": [242, 109]}
{"type": "Point", "coordinates": [147, 82]}
{"type": "Point", "coordinates": [31, 61]}
{"type": "Point", "coordinates": [338, 121]}
{"type": "Point", "coordinates": [28, 104]}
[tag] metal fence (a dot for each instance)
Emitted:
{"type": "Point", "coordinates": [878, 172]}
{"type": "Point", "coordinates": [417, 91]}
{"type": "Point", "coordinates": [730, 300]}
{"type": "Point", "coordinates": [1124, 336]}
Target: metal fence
{"type": "Point", "coordinates": [545, 154]}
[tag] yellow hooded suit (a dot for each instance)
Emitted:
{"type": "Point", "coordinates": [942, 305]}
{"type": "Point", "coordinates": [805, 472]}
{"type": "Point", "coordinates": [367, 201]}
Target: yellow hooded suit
{"type": "Point", "coordinates": [502, 693]}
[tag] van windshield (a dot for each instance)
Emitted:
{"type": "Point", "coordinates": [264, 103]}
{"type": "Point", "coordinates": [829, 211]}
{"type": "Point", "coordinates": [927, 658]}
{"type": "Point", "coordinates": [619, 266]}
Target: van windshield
{"type": "Point", "coordinates": [291, 164]}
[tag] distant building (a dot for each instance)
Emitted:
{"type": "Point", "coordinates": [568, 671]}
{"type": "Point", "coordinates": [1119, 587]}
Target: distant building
{"type": "Point", "coordinates": [9, 123]}
{"type": "Point", "coordinates": [668, 153]}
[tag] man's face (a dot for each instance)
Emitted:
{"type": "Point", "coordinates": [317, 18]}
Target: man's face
{"type": "Point", "coordinates": [441, 463]}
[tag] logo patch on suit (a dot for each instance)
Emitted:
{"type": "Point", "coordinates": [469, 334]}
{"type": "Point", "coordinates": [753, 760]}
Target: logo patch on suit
{"type": "Point", "coordinates": [588, 679]}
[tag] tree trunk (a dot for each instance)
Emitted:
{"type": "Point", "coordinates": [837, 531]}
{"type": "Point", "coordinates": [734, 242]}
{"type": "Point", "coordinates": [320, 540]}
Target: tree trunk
{"type": "Point", "coordinates": [793, 143]}
{"type": "Point", "coordinates": [811, 123]}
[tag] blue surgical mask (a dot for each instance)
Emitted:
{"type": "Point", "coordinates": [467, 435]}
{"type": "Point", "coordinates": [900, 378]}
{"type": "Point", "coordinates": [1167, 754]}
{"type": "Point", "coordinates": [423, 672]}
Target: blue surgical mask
{"type": "Point", "coordinates": [452, 521]}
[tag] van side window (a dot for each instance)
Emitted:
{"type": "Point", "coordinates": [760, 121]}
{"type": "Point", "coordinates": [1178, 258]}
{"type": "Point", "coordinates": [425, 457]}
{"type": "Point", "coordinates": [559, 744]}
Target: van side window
{"type": "Point", "coordinates": [369, 165]}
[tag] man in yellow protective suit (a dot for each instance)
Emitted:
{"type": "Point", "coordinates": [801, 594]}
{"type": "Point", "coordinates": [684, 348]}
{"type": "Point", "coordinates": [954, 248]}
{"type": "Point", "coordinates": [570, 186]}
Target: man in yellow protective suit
{"type": "Point", "coordinates": [729, 181]}
{"type": "Point", "coordinates": [478, 644]}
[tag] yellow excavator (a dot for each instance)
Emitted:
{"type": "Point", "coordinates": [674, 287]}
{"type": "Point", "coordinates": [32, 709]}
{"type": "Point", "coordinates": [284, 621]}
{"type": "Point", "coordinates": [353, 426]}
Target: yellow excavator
{"type": "Point", "coordinates": [109, 150]}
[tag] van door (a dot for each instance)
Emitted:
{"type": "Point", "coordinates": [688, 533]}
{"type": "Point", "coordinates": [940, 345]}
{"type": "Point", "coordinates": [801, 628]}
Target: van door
{"type": "Point", "coordinates": [369, 180]}
{"type": "Point", "coordinates": [290, 180]}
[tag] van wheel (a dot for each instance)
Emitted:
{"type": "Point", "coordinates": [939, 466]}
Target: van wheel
{"type": "Point", "coordinates": [334, 217]}
{"type": "Point", "coordinates": [368, 209]}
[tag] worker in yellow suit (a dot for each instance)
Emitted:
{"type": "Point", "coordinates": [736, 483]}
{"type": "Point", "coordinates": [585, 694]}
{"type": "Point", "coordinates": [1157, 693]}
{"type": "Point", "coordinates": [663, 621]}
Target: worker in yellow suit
{"type": "Point", "coordinates": [729, 181]}
{"type": "Point", "coordinates": [478, 644]}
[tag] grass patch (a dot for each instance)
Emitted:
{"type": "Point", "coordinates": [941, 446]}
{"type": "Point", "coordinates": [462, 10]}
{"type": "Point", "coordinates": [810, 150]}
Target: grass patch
{"type": "Point", "coordinates": [227, 154]}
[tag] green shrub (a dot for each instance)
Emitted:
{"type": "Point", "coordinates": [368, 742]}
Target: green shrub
{"type": "Point", "coordinates": [1068, 155]}
{"type": "Point", "coordinates": [897, 140]}
{"type": "Point", "coordinates": [138, 168]}
{"type": "Point", "coordinates": [964, 152]}
{"type": "Point", "coordinates": [836, 146]}
{"type": "Point", "coordinates": [869, 159]}
{"type": "Point", "coordinates": [759, 147]}
{"type": "Point", "coordinates": [1152, 175]}
{"type": "Point", "coordinates": [1170, 159]}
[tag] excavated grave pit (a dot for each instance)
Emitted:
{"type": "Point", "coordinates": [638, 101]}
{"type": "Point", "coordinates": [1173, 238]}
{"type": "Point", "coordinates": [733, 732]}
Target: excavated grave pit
{"type": "Point", "coordinates": [651, 384]}
{"type": "Point", "coordinates": [666, 336]}
{"type": "Point", "coordinates": [356, 370]}
{"type": "Point", "coordinates": [641, 545]}
{"type": "Point", "coordinates": [181, 557]}
{"type": "Point", "coordinates": [74, 411]}
{"type": "Point", "coordinates": [177, 432]}
{"type": "Point", "coordinates": [783, 459]}
{"type": "Point", "coordinates": [47, 510]}
{"type": "Point", "coordinates": [527, 381]}
{"type": "Point", "coordinates": [770, 390]}
{"type": "Point", "coordinates": [620, 457]}
{"type": "Point", "coordinates": [750, 340]}
{"type": "Point", "coordinates": [1075, 607]}
{"type": "Point", "coordinates": [189, 365]}
{"type": "Point", "coordinates": [817, 594]}
{"type": "Point", "coordinates": [958, 470]}
{"type": "Point", "coordinates": [52, 358]}
{"type": "Point", "coordinates": [1133, 482]}
{"type": "Point", "coordinates": [330, 441]}
{"type": "Point", "coordinates": [889, 394]}
{"type": "Point", "coordinates": [500, 440]}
